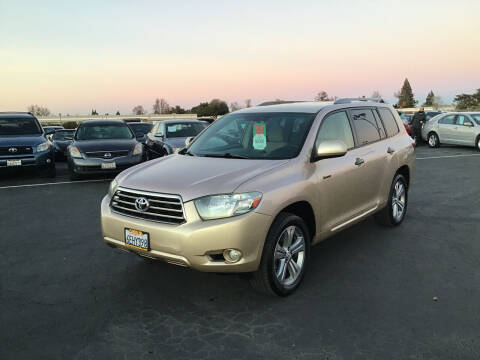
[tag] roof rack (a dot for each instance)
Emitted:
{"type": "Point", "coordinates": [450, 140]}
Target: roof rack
{"type": "Point", "coordinates": [349, 100]}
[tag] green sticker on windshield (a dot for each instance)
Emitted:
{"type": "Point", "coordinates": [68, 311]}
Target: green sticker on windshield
{"type": "Point", "coordinates": [259, 136]}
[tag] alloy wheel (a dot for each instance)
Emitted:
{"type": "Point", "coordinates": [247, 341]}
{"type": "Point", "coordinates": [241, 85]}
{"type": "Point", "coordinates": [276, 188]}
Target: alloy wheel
{"type": "Point", "coordinates": [289, 256]}
{"type": "Point", "coordinates": [399, 200]}
{"type": "Point", "coordinates": [432, 140]}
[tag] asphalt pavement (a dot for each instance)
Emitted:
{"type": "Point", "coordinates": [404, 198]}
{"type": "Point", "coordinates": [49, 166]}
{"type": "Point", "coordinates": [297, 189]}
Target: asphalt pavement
{"type": "Point", "coordinates": [412, 292]}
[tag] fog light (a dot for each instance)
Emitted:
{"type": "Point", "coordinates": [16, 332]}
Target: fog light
{"type": "Point", "coordinates": [49, 161]}
{"type": "Point", "coordinates": [232, 255]}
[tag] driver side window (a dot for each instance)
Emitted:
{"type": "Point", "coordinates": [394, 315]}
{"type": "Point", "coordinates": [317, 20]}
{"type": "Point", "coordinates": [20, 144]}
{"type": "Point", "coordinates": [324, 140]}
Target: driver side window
{"type": "Point", "coordinates": [336, 127]}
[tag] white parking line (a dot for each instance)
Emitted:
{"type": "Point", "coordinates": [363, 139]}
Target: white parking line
{"type": "Point", "coordinates": [446, 156]}
{"type": "Point", "coordinates": [53, 183]}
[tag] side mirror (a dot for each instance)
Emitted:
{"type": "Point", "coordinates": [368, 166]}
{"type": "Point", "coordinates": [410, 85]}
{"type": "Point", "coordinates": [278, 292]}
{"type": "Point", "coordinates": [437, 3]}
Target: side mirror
{"type": "Point", "coordinates": [139, 135]}
{"type": "Point", "coordinates": [188, 140]}
{"type": "Point", "coordinates": [468, 123]}
{"type": "Point", "coordinates": [329, 149]}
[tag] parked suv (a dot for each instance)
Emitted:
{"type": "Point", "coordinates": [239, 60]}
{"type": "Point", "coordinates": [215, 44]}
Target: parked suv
{"type": "Point", "coordinates": [261, 185]}
{"type": "Point", "coordinates": [24, 144]}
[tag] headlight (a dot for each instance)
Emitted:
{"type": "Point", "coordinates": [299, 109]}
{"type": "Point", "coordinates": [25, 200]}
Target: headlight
{"type": "Point", "coordinates": [75, 153]}
{"type": "Point", "coordinates": [222, 206]}
{"type": "Point", "coordinates": [112, 188]}
{"type": "Point", "coordinates": [43, 146]}
{"type": "Point", "coordinates": [138, 149]}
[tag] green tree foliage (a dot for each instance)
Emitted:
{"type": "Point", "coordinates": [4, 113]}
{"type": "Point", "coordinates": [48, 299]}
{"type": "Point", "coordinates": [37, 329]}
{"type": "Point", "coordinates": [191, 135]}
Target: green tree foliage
{"type": "Point", "coordinates": [467, 101]}
{"type": "Point", "coordinates": [405, 96]}
{"type": "Point", "coordinates": [70, 124]}
{"type": "Point", "coordinates": [118, 113]}
{"type": "Point", "coordinates": [178, 110]}
{"type": "Point", "coordinates": [430, 100]}
{"type": "Point", "coordinates": [215, 107]}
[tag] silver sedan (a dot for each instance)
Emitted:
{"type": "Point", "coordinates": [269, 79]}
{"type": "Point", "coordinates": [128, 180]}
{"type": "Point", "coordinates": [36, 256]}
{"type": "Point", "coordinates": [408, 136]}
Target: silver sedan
{"type": "Point", "coordinates": [460, 128]}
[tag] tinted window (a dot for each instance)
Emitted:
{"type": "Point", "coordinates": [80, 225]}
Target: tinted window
{"type": "Point", "coordinates": [365, 126]}
{"type": "Point", "coordinates": [255, 135]}
{"type": "Point", "coordinates": [476, 117]}
{"type": "Point", "coordinates": [142, 128]}
{"type": "Point", "coordinates": [448, 120]}
{"type": "Point", "coordinates": [181, 130]}
{"type": "Point", "coordinates": [431, 114]}
{"type": "Point", "coordinates": [98, 132]}
{"type": "Point", "coordinates": [63, 135]}
{"type": "Point", "coordinates": [335, 127]}
{"type": "Point", "coordinates": [19, 126]}
{"type": "Point", "coordinates": [389, 121]}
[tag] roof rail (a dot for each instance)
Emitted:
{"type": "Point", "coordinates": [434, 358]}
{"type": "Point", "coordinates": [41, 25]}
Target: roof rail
{"type": "Point", "coordinates": [349, 100]}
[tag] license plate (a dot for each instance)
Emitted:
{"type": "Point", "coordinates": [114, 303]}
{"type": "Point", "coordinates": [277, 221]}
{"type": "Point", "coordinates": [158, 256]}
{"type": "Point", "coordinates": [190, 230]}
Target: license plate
{"type": "Point", "coordinates": [14, 162]}
{"type": "Point", "coordinates": [109, 165]}
{"type": "Point", "coordinates": [137, 239]}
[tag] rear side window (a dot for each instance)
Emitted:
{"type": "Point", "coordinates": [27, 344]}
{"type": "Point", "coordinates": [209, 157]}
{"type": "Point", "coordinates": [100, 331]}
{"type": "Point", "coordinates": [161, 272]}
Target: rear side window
{"type": "Point", "coordinates": [336, 127]}
{"type": "Point", "coordinates": [389, 121]}
{"type": "Point", "coordinates": [365, 126]}
{"type": "Point", "coordinates": [447, 120]}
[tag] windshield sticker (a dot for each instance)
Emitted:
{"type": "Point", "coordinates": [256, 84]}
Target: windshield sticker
{"type": "Point", "coordinates": [259, 136]}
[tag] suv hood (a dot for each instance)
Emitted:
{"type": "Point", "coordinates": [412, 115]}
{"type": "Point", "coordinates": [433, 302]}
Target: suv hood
{"type": "Point", "coordinates": [22, 140]}
{"type": "Point", "coordinates": [192, 177]}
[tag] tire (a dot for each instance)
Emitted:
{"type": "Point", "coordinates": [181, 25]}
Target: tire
{"type": "Point", "coordinates": [433, 140]}
{"type": "Point", "coordinates": [477, 143]}
{"type": "Point", "coordinates": [397, 200]}
{"type": "Point", "coordinates": [277, 255]}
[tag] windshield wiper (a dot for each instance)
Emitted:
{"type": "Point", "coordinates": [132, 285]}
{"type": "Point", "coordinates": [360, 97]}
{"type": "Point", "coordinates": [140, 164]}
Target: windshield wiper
{"type": "Point", "coordinates": [184, 151]}
{"type": "Point", "coordinates": [226, 155]}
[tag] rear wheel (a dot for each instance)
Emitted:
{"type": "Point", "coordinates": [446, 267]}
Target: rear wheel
{"type": "Point", "coordinates": [396, 209]}
{"type": "Point", "coordinates": [477, 142]}
{"type": "Point", "coordinates": [284, 258]}
{"type": "Point", "coordinates": [433, 140]}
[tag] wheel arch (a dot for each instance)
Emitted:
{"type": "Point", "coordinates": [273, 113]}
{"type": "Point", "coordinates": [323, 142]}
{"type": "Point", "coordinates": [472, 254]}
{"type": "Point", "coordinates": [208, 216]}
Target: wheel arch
{"type": "Point", "coordinates": [405, 171]}
{"type": "Point", "coordinates": [304, 210]}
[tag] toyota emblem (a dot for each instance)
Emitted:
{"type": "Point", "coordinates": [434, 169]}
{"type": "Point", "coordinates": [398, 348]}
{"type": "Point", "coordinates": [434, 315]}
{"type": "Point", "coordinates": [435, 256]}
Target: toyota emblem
{"type": "Point", "coordinates": [107, 155]}
{"type": "Point", "coordinates": [12, 150]}
{"type": "Point", "coordinates": [142, 204]}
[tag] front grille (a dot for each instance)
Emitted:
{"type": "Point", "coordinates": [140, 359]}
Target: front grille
{"type": "Point", "coordinates": [16, 150]}
{"type": "Point", "coordinates": [107, 154]}
{"type": "Point", "coordinates": [162, 207]}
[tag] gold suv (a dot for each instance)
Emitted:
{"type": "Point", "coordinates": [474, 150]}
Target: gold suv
{"type": "Point", "coordinates": [257, 188]}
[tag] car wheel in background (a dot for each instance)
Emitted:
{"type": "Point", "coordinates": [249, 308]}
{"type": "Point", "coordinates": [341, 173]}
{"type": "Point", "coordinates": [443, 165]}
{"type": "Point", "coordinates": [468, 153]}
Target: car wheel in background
{"type": "Point", "coordinates": [433, 140]}
{"type": "Point", "coordinates": [477, 142]}
{"type": "Point", "coordinates": [396, 209]}
{"type": "Point", "coordinates": [284, 258]}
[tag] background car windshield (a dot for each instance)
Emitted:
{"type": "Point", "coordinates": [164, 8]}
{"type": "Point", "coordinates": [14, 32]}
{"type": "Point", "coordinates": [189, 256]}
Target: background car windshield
{"type": "Point", "coordinates": [255, 136]}
{"type": "Point", "coordinates": [63, 135]}
{"type": "Point", "coordinates": [476, 117]}
{"type": "Point", "coordinates": [182, 130]}
{"type": "Point", "coordinates": [142, 128]}
{"type": "Point", "coordinates": [97, 132]}
{"type": "Point", "coordinates": [19, 126]}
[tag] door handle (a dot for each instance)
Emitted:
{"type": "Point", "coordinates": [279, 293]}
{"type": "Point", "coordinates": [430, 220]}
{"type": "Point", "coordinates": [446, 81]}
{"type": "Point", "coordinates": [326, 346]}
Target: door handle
{"type": "Point", "coordinates": [359, 161]}
{"type": "Point", "coordinates": [390, 150]}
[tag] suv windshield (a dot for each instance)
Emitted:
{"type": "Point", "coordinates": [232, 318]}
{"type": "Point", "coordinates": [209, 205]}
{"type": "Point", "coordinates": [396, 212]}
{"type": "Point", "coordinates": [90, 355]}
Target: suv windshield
{"type": "Point", "coordinates": [255, 136]}
{"type": "Point", "coordinates": [19, 126]}
{"type": "Point", "coordinates": [143, 128]}
{"type": "Point", "coordinates": [97, 132]}
{"type": "Point", "coordinates": [183, 130]}
{"type": "Point", "coordinates": [63, 135]}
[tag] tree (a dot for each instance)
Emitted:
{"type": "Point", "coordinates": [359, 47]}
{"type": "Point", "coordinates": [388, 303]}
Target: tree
{"type": "Point", "coordinates": [248, 103]}
{"type": "Point", "coordinates": [138, 110]}
{"type": "Point", "coordinates": [216, 107]}
{"type": "Point", "coordinates": [156, 107]}
{"type": "Point", "coordinates": [376, 95]}
{"type": "Point", "coordinates": [466, 102]}
{"type": "Point", "coordinates": [323, 96]}
{"type": "Point", "coordinates": [429, 100]}
{"type": "Point", "coordinates": [234, 106]}
{"type": "Point", "coordinates": [38, 110]}
{"type": "Point", "coordinates": [405, 96]}
{"type": "Point", "coordinates": [164, 106]}
{"type": "Point", "coordinates": [177, 110]}
{"type": "Point", "coordinates": [94, 112]}
{"type": "Point", "coordinates": [118, 113]}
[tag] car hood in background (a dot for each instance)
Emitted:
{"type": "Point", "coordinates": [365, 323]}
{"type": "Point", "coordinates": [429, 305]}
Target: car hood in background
{"type": "Point", "coordinates": [176, 142]}
{"type": "Point", "coordinates": [23, 140]}
{"type": "Point", "coordinates": [105, 145]}
{"type": "Point", "coordinates": [192, 177]}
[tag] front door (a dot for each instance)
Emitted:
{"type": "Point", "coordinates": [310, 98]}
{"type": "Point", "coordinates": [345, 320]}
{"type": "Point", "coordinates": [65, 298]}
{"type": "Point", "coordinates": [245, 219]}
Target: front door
{"type": "Point", "coordinates": [446, 129]}
{"type": "Point", "coordinates": [464, 135]}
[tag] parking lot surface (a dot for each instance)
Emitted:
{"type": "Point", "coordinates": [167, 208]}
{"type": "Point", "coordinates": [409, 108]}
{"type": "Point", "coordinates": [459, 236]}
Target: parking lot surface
{"type": "Point", "coordinates": [370, 293]}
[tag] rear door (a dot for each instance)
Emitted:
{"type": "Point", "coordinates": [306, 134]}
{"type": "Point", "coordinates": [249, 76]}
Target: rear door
{"type": "Point", "coordinates": [464, 135]}
{"type": "Point", "coordinates": [446, 129]}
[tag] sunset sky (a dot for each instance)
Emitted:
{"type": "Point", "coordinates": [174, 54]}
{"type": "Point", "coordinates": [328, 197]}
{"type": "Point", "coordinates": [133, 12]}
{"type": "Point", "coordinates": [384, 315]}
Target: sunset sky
{"type": "Point", "coordinates": [112, 55]}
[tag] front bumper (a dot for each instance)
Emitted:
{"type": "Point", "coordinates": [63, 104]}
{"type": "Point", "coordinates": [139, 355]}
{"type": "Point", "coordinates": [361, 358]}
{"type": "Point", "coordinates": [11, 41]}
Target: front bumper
{"type": "Point", "coordinates": [39, 159]}
{"type": "Point", "coordinates": [94, 165]}
{"type": "Point", "coordinates": [192, 243]}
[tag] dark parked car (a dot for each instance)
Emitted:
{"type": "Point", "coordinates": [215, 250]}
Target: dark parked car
{"type": "Point", "coordinates": [207, 119]}
{"type": "Point", "coordinates": [24, 144]}
{"type": "Point", "coordinates": [50, 129]}
{"type": "Point", "coordinates": [60, 140]}
{"type": "Point", "coordinates": [169, 136]}
{"type": "Point", "coordinates": [103, 146]}
{"type": "Point", "coordinates": [141, 129]}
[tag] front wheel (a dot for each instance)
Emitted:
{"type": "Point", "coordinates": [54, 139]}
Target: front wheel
{"type": "Point", "coordinates": [396, 209]}
{"type": "Point", "coordinates": [284, 258]}
{"type": "Point", "coordinates": [478, 143]}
